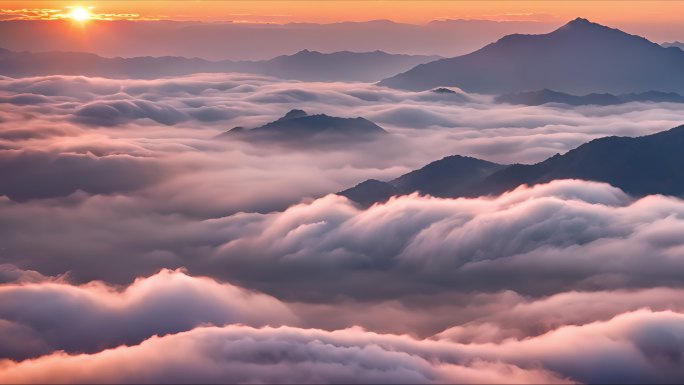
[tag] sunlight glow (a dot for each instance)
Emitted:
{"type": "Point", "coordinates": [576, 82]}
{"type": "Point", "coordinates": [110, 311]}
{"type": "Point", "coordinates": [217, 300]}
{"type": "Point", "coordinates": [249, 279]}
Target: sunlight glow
{"type": "Point", "coordinates": [79, 14]}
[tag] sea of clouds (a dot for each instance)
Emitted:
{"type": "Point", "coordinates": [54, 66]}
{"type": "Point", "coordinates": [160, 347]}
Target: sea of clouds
{"type": "Point", "coordinates": [136, 246]}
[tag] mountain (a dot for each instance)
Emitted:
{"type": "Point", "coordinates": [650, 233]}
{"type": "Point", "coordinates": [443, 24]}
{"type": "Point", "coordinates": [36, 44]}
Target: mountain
{"type": "Point", "coordinates": [371, 191]}
{"type": "Point", "coordinates": [451, 176]}
{"type": "Point", "coordinates": [536, 98]}
{"type": "Point", "coordinates": [676, 44]}
{"type": "Point", "coordinates": [339, 66]}
{"type": "Point", "coordinates": [639, 166]}
{"type": "Point", "coordinates": [304, 65]}
{"type": "Point", "coordinates": [26, 64]}
{"type": "Point", "coordinates": [444, 91]}
{"type": "Point", "coordinates": [297, 127]}
{"type": "Point", "coordinates": [580, 57]}
{"type": "Point", "coordinates": [653, 96]}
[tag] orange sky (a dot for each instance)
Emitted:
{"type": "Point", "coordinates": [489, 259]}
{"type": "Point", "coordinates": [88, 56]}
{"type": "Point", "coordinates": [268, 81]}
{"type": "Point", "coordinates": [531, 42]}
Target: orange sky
{"type": "Point", "coordinates": [609, 12]}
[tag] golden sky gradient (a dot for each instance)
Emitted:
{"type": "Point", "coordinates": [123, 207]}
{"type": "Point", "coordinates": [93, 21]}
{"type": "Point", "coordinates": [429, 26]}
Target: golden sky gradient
{"type": "Point", "coordinates": [609, 12]}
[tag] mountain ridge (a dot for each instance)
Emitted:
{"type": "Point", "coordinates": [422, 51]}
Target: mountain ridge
{"type": "Point", "coordinates": [540, 97]}
{"type": "Point", "coordinates": [303, 65]}
{"type": "Point", "coordinates": [644, 165]}
{"type": "Point", "coordinates": [579, 57]}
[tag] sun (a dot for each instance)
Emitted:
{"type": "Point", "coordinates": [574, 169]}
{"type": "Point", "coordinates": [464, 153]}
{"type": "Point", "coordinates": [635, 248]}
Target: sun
{"type": "Point", "coordinates": [79, 14]}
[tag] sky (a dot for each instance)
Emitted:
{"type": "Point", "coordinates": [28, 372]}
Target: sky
{"type": "Point", "coordinates": [257, 30]}
{"type": "Point", "coordinates": [415, 12]}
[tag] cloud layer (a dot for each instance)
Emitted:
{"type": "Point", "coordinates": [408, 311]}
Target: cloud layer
{"type": "Point", "coordinates": [133, 238]}
{"type": "Point", "coordinates": [92, 317]}
{"type": "Point", "coordinates": [541, 240]}
{"type": "Point", "coordinates": [639, 346]}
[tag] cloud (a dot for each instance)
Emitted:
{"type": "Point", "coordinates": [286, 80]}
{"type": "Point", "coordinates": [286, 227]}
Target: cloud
{"type": "Point", "coordinates": [172, 301]}
{"type": "Point", "coordinates": [565, 235]}
{"type": "Point", "coordinates": [54, 315]}
{"type": "Point", "coordinates": [121, 112]}
{"type": "Point", "coordinates": [413, 117]}
{"type": "Point", "coordinates": [213, 114]}
{"type": "Point", "coordinates": [475, 317]}
{"type": "Point", "coordinates": [112, 180]}
{"type": "Point", "coordinates": [24, 99]}
{"type": "Point", "coordinates": [47, 175]}
{"type": "Point", "coordinates": [74, 86]}
{"type": "Point", "coordinates": [217, 102]}
{"type": "Point", "coordinates": [58, 332]}
{"type": "Point", "coordinates": [540, 240]}
{"type": "Point", "coordinates": [497, 318]}
{"type": "Point", "coordinates": [641, 346]}
{"type": "Point", "coordinates": [12, 274]}
{"type": "Point", "coordinates": [268, 355]}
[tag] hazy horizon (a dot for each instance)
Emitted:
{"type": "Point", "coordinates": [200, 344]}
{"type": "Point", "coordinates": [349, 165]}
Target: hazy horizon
{"type": "Point", "coordinates": [446, 30]}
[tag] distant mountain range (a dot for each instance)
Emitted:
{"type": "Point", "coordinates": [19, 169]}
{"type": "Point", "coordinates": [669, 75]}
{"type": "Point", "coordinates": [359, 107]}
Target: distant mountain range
{"type": "Point", "coordinates": [258, 40]}
{"type": "Point", "coordinates": [639, 166]}
{"type": "Point", "coordinates": [304, 65]}
{"type": "Point", "coordinates": [535, 98]}
{"type": "Point", "coordinates": [580, 57]}
{"type": "Point", "coordinates": [339, 66]}
{"type": "Point", "coordinates": [298, 127]}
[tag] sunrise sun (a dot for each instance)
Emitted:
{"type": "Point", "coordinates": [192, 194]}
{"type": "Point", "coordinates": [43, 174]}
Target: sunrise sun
{"type": "Point", "coordinates": [79, 14]}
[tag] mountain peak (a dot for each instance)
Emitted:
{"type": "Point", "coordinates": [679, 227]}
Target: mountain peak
{"type": "Point", "coordinates": [294, 114]}
{"type": "Point", "coordinates": [582, 24]}
{"type": "Point", "coordinates": [306, 53]}
{"type": "Point", "coordinates": [581, 57]}
{"type": "Point", "coordinates": [580, 21]}
{"type": "Point", "coordinates": [297, 127]}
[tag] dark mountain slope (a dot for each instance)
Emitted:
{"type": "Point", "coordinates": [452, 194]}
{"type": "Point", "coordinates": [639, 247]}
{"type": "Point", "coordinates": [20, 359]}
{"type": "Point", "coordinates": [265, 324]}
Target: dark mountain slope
{"type": "Point", "coordinates": [640, 166]}
{"type": "Point", "coordinates": [645, 165]}
{"type": "Point", "coordinates": [448, 177]}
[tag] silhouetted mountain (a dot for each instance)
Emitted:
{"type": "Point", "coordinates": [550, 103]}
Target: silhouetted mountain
{"type": "Point", "coordinates": [451, 176]}
{"type": "Point", "coordinates": [535, 98]}
{"type": "Point", "coordinates": [676, 44]}
{"type": "Point", "coordinates": [304, 65]}
{"type": "Point", "coordinates": [22, 64]}
{"type": "Point", "coordinates": [639, 166]}
{"type": "Point", "coordinates": [339, 66]}
{"type": "Point", "coordinates": [653, 96]}
{"type": "Point", "coordinates": [443, 90]}
{"type": "Point", "coordinates": [371, 191]}
{"type": "Point", "coordinates": [581, 58]}
{"type": "Point", "coordinates": [297, 126]}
